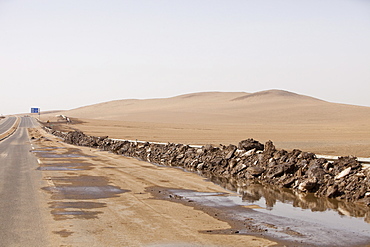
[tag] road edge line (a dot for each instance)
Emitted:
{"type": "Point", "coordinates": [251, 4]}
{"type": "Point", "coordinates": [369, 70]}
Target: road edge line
{"type": "Point", "coordinates": [10, 131]}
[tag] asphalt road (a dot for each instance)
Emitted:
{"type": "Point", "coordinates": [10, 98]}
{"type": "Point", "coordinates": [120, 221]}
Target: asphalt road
{"type": "Point", "coordinates": [7, 124]}
{"type": "Point", "coordinates": [21, 216]}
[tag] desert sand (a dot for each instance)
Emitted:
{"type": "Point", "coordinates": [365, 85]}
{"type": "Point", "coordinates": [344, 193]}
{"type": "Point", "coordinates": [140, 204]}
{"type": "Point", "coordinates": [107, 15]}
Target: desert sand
{"type": "Point", "coordinates": [290, 120]}
{"type": "Point", "coordinates": [114, 201]}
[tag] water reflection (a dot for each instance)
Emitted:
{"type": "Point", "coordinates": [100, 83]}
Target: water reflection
{"type": "Point", "coordinates": [270, 195]}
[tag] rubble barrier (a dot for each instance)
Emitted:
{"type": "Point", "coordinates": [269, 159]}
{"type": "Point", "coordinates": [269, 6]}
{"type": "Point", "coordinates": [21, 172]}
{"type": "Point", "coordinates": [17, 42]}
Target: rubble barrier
{"type": "Point", "coordinates": [250, 161]}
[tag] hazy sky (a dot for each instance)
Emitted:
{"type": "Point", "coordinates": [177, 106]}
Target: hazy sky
{"type": "Point", "coordinates": [65, 54]}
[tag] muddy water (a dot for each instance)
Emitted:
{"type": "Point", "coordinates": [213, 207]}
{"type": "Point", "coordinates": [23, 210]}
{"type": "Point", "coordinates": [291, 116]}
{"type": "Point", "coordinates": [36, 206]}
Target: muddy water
{"type": "Point", "coordinates": [289, 227]}
{"type": "Point", "coordinates": [288, 215]}
{"type": "Point", "coordinates": [277, 199]}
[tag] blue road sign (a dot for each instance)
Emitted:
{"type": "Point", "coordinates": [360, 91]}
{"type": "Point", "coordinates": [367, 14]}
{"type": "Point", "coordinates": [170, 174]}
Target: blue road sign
{"type": "Point", "coordinates": [35, 110]}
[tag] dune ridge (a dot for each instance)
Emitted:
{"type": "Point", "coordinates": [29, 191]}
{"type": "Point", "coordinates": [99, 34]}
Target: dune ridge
{"type": "Point", "coordinates": [225, 108]}
{"type": "Point", "coordinates": [289, 119]}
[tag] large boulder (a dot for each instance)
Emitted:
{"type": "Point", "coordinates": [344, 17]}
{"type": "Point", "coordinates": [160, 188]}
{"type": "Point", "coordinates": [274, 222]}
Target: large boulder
{"type": "Point", "coordinates": [250, 144]}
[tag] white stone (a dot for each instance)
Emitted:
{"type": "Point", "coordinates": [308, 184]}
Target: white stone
{"type": "Point", "coordinates": [343, 173]}
{"type": "Point", "coordinates": [248, 153]}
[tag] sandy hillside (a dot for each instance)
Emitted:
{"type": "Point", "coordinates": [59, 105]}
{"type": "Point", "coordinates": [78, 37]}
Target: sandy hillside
{"type": "Point", "coordinates": [290, 120]}
{"type": "Point", "coordinates": [225, 108]}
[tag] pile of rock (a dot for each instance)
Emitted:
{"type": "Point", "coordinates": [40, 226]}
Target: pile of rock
{"type": "Point", "coordinates": [344, 178]}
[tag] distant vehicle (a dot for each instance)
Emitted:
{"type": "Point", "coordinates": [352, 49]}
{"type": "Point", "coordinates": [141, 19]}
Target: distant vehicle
{"type": "Point", "coordinates": [26, 116]}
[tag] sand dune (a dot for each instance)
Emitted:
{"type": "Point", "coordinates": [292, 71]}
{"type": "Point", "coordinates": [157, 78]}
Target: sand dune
{"type": "Point", "coordinates": [226, 108]}
{"type": "Point", "coordinates": [290, 120]}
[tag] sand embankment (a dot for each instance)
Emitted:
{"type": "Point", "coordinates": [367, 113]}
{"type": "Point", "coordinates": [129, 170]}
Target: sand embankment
{"type": "Point", "coordinates": [290, 120]}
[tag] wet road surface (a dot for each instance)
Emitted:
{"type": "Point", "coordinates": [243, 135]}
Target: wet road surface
{"type": "Point", "coordinates": [21, 212]}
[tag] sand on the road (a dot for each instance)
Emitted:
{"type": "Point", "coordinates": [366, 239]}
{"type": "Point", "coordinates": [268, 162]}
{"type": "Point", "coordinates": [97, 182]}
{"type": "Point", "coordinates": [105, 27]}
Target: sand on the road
{"type": "Point", "coordinates": [102, 199]}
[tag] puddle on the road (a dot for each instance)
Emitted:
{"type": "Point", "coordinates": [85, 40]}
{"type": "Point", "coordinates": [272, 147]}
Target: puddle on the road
{"type": "Point", "coordinates": [84, 192]}
{"type": "Point", "coordinates": [83, 188]}
{"type": "Point", "coordinates": [62, 210]}
{"type": "Point", "coordinates": [47, 152]}
{"type": "Point", "coordinates": [298, 225]}
{"type": "Point", "coordinates": [78, 204]}
{"type": "Point", "coordinates": [79, 189]}
{"type": "Point", "coordinates": [64, 215]}
{"type": "Point", "coordinates": [45, 149]}
{"type": "Point", "coordinates": [57, 168]}
{"type": "Point", "coordinates": [65, 166]}
{"type": "Point", "coordinates": [39, 151]}
{"type": "Point", "coordinates": [55, 156]}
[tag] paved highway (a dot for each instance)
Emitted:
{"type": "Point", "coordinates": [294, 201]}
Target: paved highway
{"type": "Point", "coordinates": [21, 216]}
{"type": "Point", "coordinates": [7, 124]}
